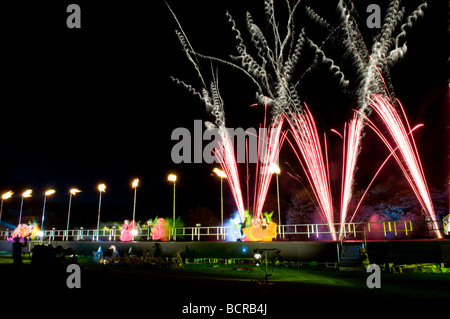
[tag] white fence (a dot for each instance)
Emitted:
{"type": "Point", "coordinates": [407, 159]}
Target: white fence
{"type": "Point", "coordinates": [314, 231]}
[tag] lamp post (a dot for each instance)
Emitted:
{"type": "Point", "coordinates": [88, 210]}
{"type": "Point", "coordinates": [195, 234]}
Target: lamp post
{"type": "Point", "coordinates": [4, 196]}
{"type": "Point", "coordinates": [134, 185]}
{"type": "Point", "coordinates": [47, 193]}
{"type": "Point", "coordinates": [25, 194]}
{"type": "Point", "coordinates": [221, 175]}
{"type": "Point", "coordinates": [173, 178]}
{"type": "Point", "coordinates": [275, 169]}
{"type": "Point", "coordinates": [73, 192]}
{"type": "Point", "coordinates": [101, 189]}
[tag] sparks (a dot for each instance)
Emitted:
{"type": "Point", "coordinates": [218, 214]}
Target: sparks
{"type": "Point", "coordinates": [352, 138]}
{"type": "Point", "coordinates": [314, 163]}
{"type": "Point", "coordinates": [411, 165]}
{"type": "Point", "coordinates": [227, 159]}
{"type": "Point", "coordinates": [270, 146]}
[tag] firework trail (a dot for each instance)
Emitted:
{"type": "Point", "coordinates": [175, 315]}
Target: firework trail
{"type": "Point", "coordinates": [392, 153]}
{"type": "Point", "coordinates": [352, 139]}
{"type": "Point", "coordinates": [372, 67]}
{"type": "Point", "coordinates": [410, 163]}
{"type": "Point", "coordinates": [268, 149]}
{"type": "Point", "coordinates": [268, 146]}
{"type": "Point", "coordinates": [314, 163]}
{"type": "Point", "coordinates": [211, 98]}
{"type": "Point", "coordinates": [276, 68]}
{"type": "Point", "coordinates": [275, 71]}
{"type": "Point", "coordinates": [227, 160]}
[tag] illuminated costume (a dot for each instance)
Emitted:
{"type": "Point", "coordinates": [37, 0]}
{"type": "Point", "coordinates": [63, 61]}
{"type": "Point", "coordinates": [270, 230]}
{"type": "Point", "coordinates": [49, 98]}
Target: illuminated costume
{"type": "Point", "coordinates": [126, 231]}
{"type": "Point", "coordinates": [364, 259]}
{"type": "Point", "coordinates": [24, 230]}
{"type": "Point", "coordinates": [160, 230]}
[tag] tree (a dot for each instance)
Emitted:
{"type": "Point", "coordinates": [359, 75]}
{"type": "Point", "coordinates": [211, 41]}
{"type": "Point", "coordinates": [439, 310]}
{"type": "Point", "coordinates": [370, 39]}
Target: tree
{"type": "Point", "coordinates": [202, 215]}
{"type": "Point", "coordinates": [302, 207]}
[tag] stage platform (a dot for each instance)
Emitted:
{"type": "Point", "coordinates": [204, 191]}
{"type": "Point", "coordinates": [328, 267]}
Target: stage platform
{"type": "Point", "coordinates": [394, 251]}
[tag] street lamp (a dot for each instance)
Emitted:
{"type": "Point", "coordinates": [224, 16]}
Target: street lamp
{"type": "Point", "coordinates": [221, 175]}
{"type": "Point", "coordinates": [25, 194]}
{"type": "Point", "coordinates": [47, 193]}
{"type": "Point", "coordinates": [173, 178]}
{"type": "Point", "coordinates": [101, 189]}
{"type": "Point", "coordinates": [134, 185]}
{"type": "Point", "coordinates": [275, 169]}
{"type": "Point", "coordinates": [73, 191]}
{"type": "Point", "coordinates": [4, 196]}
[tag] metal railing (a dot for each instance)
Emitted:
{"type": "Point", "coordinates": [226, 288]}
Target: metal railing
{"type": "Point", "coordinates": [314, 231]}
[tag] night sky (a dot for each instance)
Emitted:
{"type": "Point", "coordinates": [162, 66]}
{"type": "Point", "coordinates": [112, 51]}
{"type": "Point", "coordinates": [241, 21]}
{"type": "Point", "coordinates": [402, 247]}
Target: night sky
{"type": "Point", "coordinates": [96, 104]}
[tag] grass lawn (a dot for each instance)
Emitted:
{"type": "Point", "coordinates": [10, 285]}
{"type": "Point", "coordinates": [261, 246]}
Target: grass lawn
{"type": "Point", "coordinates": [289, 289]}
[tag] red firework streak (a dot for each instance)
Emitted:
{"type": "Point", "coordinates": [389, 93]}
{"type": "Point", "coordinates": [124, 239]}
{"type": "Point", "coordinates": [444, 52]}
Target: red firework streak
{"type": "Point", "coordinates": [269, 145]}
{"type": "Point", "coordinates": [313, 162]}
{"type": "Point", "coordinates": [411, 165]}
{"type": "Point", "coordinates": [392, 153]}
{"type": "Point", "coordinates": [268, 151]}
{"type": "Point", "coordinates": [352, 138]}
{"type": "Point", "coordinates": [227, 160]}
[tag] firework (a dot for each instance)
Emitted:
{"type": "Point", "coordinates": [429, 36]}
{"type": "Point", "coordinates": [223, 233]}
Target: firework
{"type": "Point", "coordinates": [227, 160]}
{"type": "Point", "coordinates": [274, 70]}
{"type": "Point", "coordinates": [270, 146]}
{"type": "Point", "coordinates": [352, 137]}
{"type": "Point", "coordinates": [273, 67]}
{"type": "Point", "coordinates": [410, 160]}
{"type": "Point", "coordinates": [278, 76]}
{"type": "Point", "coordinates": [314, 163]}
{"type": "Point", "coordinates": [391, 154]}
{"type": "Point", "coordinates": [372, 66]}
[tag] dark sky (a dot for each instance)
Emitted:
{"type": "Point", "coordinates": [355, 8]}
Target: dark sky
{"type": "Point", "coordinates": [90, 105]}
